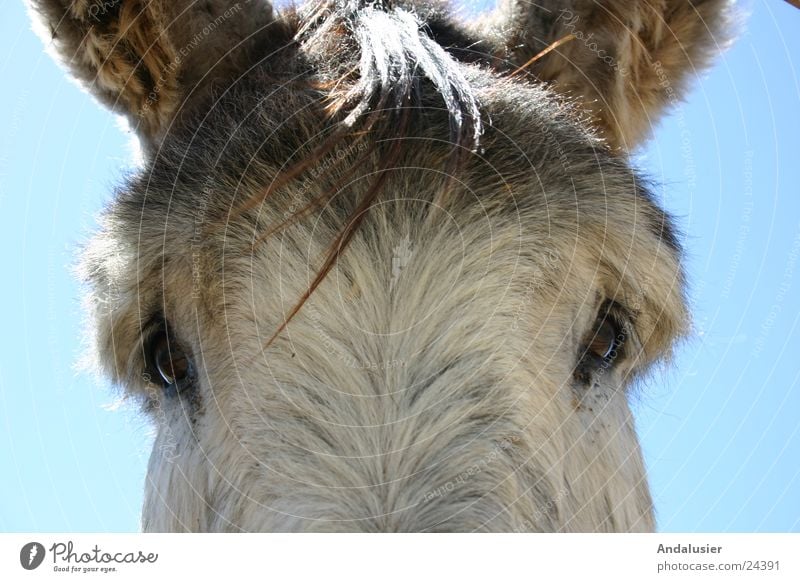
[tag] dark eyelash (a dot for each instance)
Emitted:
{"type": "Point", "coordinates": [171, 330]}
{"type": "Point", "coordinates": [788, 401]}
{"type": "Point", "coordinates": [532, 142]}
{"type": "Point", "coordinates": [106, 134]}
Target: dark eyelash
{"type": "Point", "coordinates": [619, 317]}
{"type": "Point", "coordinates": [147, 333]}
{"type": "Point", "coordinates": [589, 364]}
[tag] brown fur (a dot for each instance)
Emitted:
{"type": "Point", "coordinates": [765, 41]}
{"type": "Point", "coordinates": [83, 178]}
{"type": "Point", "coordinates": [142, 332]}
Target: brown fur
{"type": "Point", "coordinates": [143, 58]}
{"type": "Point", "coordinates": [649, 45]}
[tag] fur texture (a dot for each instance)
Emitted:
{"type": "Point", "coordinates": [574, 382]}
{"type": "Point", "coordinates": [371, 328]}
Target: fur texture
{"type": "Point", "coordinates": [625, 62]}
{"type": "Point", "coordinates": [439, 377]}
{"type": "Point", "coordinates": [143, 58]}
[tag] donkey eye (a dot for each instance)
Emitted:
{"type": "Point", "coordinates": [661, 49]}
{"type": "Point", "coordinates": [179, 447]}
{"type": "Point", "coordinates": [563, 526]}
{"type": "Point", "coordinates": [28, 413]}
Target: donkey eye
{"type": "Point", "coordinates": [169, 363]}
{"type": "Point", "coordinates": [604, 339]}
{"type": "Point", "coordinates": [603, 347]}
{"type": "Point", "coordinates": [605, 343]}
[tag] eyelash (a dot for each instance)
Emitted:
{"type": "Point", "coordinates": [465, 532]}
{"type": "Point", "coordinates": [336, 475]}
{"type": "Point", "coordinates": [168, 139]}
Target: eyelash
{"type": "Point", "coordinates": [606, 343]}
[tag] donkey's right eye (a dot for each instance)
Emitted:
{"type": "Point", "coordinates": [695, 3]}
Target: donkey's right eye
{"type": "Point", "coordinates": [168, 364]}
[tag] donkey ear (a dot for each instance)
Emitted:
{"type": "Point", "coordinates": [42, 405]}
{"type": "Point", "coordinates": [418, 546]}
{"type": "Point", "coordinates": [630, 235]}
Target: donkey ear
{"type": "Point", "coordinates": [147, 59]}
{"type": "Point", "coordinates": [625, 61]}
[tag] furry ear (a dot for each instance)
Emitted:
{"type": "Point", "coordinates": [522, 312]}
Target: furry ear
{"type": "Point", "coordinates": [147, 58]}
{"type": "Point", "coordinates": [625, 61]}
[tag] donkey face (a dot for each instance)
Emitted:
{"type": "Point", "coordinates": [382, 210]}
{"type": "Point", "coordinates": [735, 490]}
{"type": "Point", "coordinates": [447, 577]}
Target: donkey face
{"type": "Point", "coordinates": [383, 271]}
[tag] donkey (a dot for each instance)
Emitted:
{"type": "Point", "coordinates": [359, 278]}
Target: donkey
{"type": "Point", "coordinates": [383, 269]}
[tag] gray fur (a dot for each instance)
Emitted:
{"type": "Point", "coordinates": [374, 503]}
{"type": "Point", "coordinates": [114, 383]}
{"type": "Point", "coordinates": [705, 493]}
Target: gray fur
{"type": "Point", "coordinates": [437, 379]}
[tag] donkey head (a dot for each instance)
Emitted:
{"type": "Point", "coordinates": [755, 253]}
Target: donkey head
{"type": "Point", "coordinates": [384, 270]}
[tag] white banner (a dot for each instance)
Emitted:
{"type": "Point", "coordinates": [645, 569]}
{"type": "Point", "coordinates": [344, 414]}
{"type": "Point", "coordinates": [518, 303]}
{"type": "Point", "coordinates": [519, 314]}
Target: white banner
{"type": "Point", "coordinates": [406, 557]}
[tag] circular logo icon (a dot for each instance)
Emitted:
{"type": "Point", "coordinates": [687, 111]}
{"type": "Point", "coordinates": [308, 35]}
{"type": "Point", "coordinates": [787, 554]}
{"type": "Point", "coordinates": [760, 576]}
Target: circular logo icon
{"type": "Point", "coordinates": [31, 555]}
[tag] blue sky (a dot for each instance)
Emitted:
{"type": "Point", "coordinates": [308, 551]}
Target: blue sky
{"type": "Point", "coordinates": [720, 429]}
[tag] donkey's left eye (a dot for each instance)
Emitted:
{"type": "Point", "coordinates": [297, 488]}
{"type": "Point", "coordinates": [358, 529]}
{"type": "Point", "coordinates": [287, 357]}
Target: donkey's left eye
{"type": "Point", "coordinates": [604, 340]}
{"type": "Point", "coordinates": [169, 362]}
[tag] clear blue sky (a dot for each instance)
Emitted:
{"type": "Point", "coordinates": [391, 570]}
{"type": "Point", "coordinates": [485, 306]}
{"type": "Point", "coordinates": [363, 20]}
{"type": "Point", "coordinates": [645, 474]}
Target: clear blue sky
{"type": "Point", "coordinates": [720, 430]}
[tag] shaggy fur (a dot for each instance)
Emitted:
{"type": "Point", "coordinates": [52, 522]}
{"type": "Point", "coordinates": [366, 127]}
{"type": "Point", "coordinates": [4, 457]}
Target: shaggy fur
{"type": "Point", "coordinates": [143, 58]}
{"type": "Point", "coordinates": [437, 379]}
{"type": "Point", "coordinates": [621, 57]}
